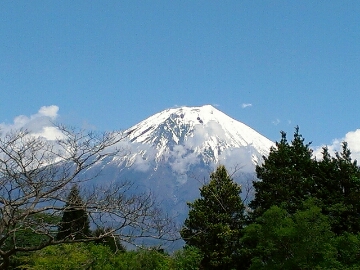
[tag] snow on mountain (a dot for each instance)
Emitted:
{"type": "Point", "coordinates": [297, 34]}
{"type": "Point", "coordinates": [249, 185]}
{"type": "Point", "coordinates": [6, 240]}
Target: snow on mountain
{"type": "Point", "coordinates": [187, 136]}
{"type": "Point", "coordinates": [172, 153]}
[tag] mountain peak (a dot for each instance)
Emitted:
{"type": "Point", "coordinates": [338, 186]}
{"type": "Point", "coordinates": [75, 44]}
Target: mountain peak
{"type": "Point", "coordinates": [204, 109]}
{"type": "Point", "coordinates": [204, 131]}
{"type": "Point", "coordinates": [171, 152]}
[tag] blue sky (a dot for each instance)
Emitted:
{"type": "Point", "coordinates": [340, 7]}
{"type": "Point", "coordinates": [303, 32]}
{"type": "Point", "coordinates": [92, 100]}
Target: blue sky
{"type": "Point", "coordinates": [107, 65]}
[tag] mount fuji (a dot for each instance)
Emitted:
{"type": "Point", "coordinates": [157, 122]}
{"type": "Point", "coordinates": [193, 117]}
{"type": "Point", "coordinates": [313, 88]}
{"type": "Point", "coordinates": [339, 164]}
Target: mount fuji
{"type": "Point", "coordinates": [173, 152]}
{"type": "Point", "coordinates": [198, 134]}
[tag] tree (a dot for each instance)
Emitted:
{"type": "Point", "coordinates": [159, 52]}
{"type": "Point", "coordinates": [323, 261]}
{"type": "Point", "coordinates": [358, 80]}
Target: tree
{"type": "Point", "coordinates": [188, 258]}
{"type": "Point", "coordinates": [35, 177]}
{"type": "Point", "coordinates": [99, 257]}
{"type": "Point", "coordinates": [348, 246]}
{"type": "Point", "coordinates": [215, 222]}
{"type": "Point", "coordinates": [290, 175]}
{"type": "Point", "coordinates": [338, 190]}
{"type": "Point", "coordinates": [111, 241]}
{"type": "Point", "coordinates": [70, 257]}
{"type": "Point", "coordinates": [286, 176]}
{"type": "Point", "coordinates": [75, 221]}
{"type": "Point", "coordinates": [280, 240]}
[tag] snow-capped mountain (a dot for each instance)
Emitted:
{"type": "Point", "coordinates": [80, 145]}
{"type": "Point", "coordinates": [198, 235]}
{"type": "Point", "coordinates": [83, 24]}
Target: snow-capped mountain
{"type": "Point", "coordinates": [187, 136]}
{"type": "Point", "coordinates": [175, 126]}
{"type": "Point", "coordinates": [173, 152]}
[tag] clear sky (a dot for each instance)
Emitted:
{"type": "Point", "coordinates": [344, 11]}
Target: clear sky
{"type": "Point", "coordinates": [109, 64]}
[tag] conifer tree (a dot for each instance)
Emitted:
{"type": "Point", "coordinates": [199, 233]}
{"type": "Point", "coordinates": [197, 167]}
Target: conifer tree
{"type": "Point", "coordinates": [290, 175]}
{"type": "Point", "coordinates": [215, 222]}
{"type": "Point", "coordinates": [286, 176]}
{"type": "Point", "coordinates": [338, 190]}
{"type": "Point", "coordinates": [75, 222]}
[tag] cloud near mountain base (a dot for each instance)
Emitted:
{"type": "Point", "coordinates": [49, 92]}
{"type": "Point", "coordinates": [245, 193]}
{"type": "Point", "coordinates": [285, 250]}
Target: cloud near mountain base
{"type": "Point", "coordinates": [39, 124]}
{"type": "Point", "coordinates": [353, 140]}
{"type": "Point", "coordinates": [181, 158]}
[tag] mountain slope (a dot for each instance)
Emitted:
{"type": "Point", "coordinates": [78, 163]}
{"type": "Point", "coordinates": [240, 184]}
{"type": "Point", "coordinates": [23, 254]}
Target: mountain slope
{"type": "Point", "coordinates": [197, 135]}
{"type": "Point", "coordinates": [173, 152]}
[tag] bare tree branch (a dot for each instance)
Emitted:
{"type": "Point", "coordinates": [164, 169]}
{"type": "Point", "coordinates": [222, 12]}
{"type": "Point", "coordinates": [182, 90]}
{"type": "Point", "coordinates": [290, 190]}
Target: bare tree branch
{"type": "Point", "coordinates": [35, 178]}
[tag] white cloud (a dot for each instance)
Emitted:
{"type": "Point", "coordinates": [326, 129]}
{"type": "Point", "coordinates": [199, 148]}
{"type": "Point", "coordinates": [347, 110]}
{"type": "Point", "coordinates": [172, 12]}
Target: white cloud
{"type": "Point", "coordinates": [181, 165]}
{"type": "Point", "coordinates": [40, 124]}
{"type": "Point", "coordinates": [182, 157]}
{"type": "Point", "coordinates": [276, 122]}
{"type": "Point", "coordinates": [245, 105]}
{"type": "Point", "coordinates": [353, 140]}
{"type": "Point", "coordinates": [179, 106]}
{"type": "Point", "coordinates": [50, 111]}
{"type": "Point", "coordinates": [141, 164]}
{"type": "Point", "coordinates": [238, 157]}
{"type": "Point", "coordinates": [213, 129]}
{"type": "Point", "coordinates": [50, 133]}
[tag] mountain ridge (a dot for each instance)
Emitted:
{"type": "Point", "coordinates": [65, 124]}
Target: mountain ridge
{"type": "Point", "coordinates": [187, 131]}
{"type": "Point", "coordinates": [171, 154]}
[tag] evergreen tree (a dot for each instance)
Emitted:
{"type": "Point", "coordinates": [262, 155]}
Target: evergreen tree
{"type": "Point", "coordinates": [286, 176]}
{"type": "Point", "coordinates": [215, 222]}
{"type": "Point", "coordinates": [75, 222]}
{"type": "Point", "coordinates": [338, 190]}
{"type": "Point", "coordinates": [290, 175]}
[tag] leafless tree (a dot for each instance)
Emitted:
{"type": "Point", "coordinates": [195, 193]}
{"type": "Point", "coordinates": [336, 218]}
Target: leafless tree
{"type": "Point", "coordinates": [35, 178]}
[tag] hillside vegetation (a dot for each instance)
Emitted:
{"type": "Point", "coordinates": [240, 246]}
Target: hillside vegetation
{"type": "Point", "coordinates": [305, 215]}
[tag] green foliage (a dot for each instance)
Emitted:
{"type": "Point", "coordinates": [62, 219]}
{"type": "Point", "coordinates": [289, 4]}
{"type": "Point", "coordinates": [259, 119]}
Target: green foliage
{"type": "Point", "coordinates": [188, 258]}
{"type": "Point", "coordinates": [112, 241]}
{"type": "Point", "coordinates": [338, 189]}
{"type": "Point", "coordinates": [280, 240]}
{"type": "Point", "coordinates": [98, 257]}
{"type": "Point", "coordinates": [348, 248]}
{"type": "Point", "coordinates": [290, 175]}
{"type": "Point", "coordinates": [75, 222]}
{"type": "Point", "coordinates": [143, 260]}
{"type": "Point", "coordinates": [306, 215]}
{"type": "Point", "coordinates": [24, 236]}
{"type": "Point", "coordinates": [32, 184]}
{"type": "Point", "coordinates": [286, 176]}
{"type": "Point", "coordinates": [306, 212]}
{"type": "Point", "coordinates": [215, 222]}
{"type": "Point", "coordinates": [70, 257]}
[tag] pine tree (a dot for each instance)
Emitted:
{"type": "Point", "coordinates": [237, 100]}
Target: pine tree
{"type": "Point", "coordinates": [75, 222]}
{"type": "Point", "coordinates": [290, 175]}
{"type": "Point", "coordinates": [286, 177]}
{"type": "Point", "coordinates": [338, 190]}
{"type": "Point", "coordinates": [215, 222]}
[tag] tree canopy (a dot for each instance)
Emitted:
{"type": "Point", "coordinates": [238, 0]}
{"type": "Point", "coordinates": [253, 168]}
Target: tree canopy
{"type": "Point", "coordinates": [75, 221]}
{"type": "Point", "coordinates": [338, 190]}
{"type": "Point", "coordinates": [285, 230]}
{"type": "Point", "coordinates": [215, 222]}
{"type": "Point", "coordinates": [291, 174]}
{"type": "Point", "coordinates": [285, 177]}
{"type": "Point", "coordinates": [280, 240]}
